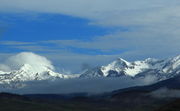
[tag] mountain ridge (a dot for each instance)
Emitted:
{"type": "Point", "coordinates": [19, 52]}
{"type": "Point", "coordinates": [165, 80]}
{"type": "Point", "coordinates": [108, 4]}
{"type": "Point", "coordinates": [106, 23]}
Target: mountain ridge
{"type": "Point", "coordinates": [121, 67]}
{"type": "Point", "coordinates": [161, 69]}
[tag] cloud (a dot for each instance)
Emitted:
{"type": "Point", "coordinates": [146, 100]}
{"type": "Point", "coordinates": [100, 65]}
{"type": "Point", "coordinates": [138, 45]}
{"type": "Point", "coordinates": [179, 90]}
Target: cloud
{"type": "Point", "coordinates": [4, 68]}
{"type": "Point", "coordinates": [103, 12]}
{"type": "Point", "coordinates": [35, 48]}
{"type": "Point", "coordinates": [149, 79]}
{"type": "Point", "coordinates": [166, 93]}
{"type": "Point", "coordinates": [141, 44]}
{"type": "Point", "coordinates": [14, 43]}
{"type": "Point", "coordinates": [73, 62]}
{"type": "Point", "coordinates": [37, 62]}
{"type": "Point", "coordinates": [152, 28]}
{"type": "Point", "coordinates": [78, 85]}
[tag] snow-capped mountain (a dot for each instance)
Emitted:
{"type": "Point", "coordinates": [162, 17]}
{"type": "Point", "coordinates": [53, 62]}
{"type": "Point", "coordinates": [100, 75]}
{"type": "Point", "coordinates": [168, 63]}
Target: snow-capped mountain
{"type": "Point", "coordinates": [29, 73]}
{"type": "Point", "coordinates": [161, 68]}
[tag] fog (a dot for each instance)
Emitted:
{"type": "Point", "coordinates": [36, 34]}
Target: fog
{"type": "Point", "coordinates": [79, 85]}
{"type": "Point", "coordinates": [166, 93]}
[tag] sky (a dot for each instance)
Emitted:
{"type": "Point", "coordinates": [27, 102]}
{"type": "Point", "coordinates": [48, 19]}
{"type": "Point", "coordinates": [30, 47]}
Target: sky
{"type": "Point", "coordinates": [71, 33]}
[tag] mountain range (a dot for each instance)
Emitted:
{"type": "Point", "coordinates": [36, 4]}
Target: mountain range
{"type": "Point", "coordinates": [161, 69]}
{"type": "Point", "coordinates": [160, 96]}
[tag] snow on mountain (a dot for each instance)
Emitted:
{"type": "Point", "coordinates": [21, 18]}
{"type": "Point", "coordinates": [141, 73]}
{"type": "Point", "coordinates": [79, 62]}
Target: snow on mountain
{"type": "Point", "coordinates": [26, 73]}
{"type": "Point", "coordinates": [172, 65]}
{"type": "Point", "coordinates": [123, 67]}
{"type": "Point", "coordinates": [28, 66]}
{"type": "Point", "coordinates": [31, 67]}
{"type": "Point", "coordinates": [120, 67]}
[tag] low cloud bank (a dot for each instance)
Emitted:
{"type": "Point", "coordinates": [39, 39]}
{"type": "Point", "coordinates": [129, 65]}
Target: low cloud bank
{"type": "Point", "coordinates": [166, 93]}
{"type": "Point", "coordinates": [78, 85]}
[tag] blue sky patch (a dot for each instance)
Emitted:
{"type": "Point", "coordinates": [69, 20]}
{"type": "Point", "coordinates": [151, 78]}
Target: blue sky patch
{"type": "Point", "coordinates": [48, 27]}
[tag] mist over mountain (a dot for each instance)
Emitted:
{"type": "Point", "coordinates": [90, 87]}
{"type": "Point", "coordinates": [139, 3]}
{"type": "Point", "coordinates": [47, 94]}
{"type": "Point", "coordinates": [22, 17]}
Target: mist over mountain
{"type": "Point", "coordinates": [31, 73]}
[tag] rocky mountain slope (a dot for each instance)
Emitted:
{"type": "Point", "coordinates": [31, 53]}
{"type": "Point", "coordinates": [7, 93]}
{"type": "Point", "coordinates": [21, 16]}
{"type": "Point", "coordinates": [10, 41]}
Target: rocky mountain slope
{"type": "Point", "coordinates": [160, 68]}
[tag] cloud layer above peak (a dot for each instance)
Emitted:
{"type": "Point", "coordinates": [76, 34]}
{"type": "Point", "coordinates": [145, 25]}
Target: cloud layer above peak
{"type": "Point", "coordinates": [38, 63]}
{"type": "Point", "coordinates": [104, 12]}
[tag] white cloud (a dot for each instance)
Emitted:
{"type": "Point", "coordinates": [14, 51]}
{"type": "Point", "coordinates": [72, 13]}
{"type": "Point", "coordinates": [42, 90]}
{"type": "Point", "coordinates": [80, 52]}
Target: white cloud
{"type": "Point", "coordinates": [83, 85]}
{"type": "Point", "coordinates": [139, 44]}
{"type": "Point", "coordinates": [153, 25]}
{"type": "Point", "coordinates": [37, 62]}
{"type": "Point", "coordinates": [166, 93]}
{"type": "Point", "coordinates": [4, 68]}
{"type": "Point", "coordinates": [105, 12]}
{"type": "Point", "coordinates": [14, 43]}
{"type": "Point", "coordinates": [74, 62]}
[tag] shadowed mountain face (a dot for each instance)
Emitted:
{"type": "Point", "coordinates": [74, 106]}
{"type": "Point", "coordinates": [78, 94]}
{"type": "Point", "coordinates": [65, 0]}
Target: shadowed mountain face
{"type": "Point", "coordinates": [13, 102]}
{"type": "Point", "coordinates": [18, 103]}
{"type": "Point", "coordinates": [173, 106]}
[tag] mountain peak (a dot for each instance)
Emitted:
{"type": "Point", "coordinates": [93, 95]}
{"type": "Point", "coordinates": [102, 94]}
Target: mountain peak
{"type": "Point", "coordinates": [28, 72]}
{"type": "Point", "coordinates": [120, 63]}
{"type": "Point", "coordinates": [33, 69]}
{"type": "Point", "coordinates": [121, 59]}
{"type": "Point", "coordinates": [160, 68]}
